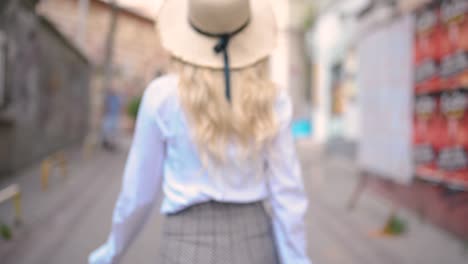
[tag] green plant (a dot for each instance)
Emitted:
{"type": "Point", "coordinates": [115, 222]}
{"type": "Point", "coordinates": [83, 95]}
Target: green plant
{"type": "Point", "coordinates": [395, 226]}
{"type": "Point", "coordinates": [5, 231]}
{"type": "Point", "coordinates": [133, 106]}
{"type": "Point", "coordinates": [310, 16]}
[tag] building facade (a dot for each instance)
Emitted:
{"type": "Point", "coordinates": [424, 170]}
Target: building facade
{"type": "Point", "coordinates": [43, 87]}
{"type": "Point", "coordinates": [138, 56]}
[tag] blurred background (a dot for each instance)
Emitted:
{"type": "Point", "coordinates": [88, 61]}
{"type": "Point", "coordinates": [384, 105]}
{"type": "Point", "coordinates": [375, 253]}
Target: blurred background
{"type": "Point", "coordinates": [380, 92]}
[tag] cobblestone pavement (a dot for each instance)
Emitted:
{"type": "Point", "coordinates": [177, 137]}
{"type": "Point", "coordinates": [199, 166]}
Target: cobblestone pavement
{"type": "Point", "coordinates": [63, 224]}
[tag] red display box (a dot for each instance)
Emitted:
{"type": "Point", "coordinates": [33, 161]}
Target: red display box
{"type": "Point", "coordinates": [440, 134]}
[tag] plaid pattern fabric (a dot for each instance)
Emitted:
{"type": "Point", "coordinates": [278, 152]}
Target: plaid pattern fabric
{"type": "Point", "coordinates": [218, 233]}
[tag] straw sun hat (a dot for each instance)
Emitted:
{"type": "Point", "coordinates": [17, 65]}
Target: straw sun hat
{"type": "Point", "coordinates": [229, 34]}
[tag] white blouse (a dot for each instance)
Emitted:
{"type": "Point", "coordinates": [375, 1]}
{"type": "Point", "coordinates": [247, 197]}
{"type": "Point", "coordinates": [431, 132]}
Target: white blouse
{"type": "Point", "coordinates": [163, 156]}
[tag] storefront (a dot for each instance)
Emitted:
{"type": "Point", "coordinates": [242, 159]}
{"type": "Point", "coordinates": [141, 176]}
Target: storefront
{"type": "Point", "coordinates": [412, 102]}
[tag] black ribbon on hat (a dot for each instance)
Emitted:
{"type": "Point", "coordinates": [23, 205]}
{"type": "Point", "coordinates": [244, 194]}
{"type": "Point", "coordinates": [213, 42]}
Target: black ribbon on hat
{"type": "Point", "coordinates": [222, 46]}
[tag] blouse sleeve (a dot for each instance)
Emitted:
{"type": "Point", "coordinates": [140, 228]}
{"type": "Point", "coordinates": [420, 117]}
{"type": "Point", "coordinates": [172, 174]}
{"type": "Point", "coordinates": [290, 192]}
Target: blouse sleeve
{"type": "Point", "coordinates": [141, 184]}
{"type": "Point", "coordinates": [287, 196]}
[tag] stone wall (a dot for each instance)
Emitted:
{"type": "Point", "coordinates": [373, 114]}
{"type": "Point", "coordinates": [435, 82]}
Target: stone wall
{"type": "Point", "coordinates": [46, 88]}
{"type": "Point", "coordinates": [138, 54]}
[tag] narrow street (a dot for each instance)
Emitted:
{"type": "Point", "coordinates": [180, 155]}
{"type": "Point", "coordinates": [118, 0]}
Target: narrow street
{"type": "Point", "coordinates": [64, 223]}
{"type": "Point", "coordinates": [385, 79]}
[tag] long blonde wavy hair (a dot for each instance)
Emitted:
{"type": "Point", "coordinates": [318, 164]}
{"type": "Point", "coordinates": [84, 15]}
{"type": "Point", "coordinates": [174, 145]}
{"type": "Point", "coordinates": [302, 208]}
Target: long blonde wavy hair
{"type": "Point", "coordinates": [248, 119]}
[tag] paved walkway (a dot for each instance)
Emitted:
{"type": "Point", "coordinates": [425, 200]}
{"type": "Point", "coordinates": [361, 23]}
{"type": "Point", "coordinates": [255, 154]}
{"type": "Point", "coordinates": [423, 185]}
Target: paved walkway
{"type": "Point", "coordinates": [65, 223]}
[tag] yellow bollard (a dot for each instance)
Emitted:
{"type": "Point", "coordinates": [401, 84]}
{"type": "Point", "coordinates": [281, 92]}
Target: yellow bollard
{"type": "Point", "coordinates": [57, 159]}
{"type": "Point", "coordinates": [13, 192]}
{"type": "Point", "coordinates": [45, 170]}
{"type": "Point", "coordinates": [17, 203]}
{"type": "Point", "coordinates": [89, 147]}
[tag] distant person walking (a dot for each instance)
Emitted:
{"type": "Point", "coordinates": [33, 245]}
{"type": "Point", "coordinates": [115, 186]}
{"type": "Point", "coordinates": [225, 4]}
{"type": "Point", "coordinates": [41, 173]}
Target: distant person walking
{"type": "Point", "coordinates": [215, 138]}
{"type": "Point", "coordinates": [110, 125]}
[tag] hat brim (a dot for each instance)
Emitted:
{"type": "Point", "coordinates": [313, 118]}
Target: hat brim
{"type": "Point", "coordinates": [246, 48]}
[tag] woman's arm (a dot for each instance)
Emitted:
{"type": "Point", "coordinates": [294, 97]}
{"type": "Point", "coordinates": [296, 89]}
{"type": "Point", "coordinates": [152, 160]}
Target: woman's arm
{"type": "Point", "coordinates": [140, 186]}
{"type": "Point", "coordinates": [287, 197]}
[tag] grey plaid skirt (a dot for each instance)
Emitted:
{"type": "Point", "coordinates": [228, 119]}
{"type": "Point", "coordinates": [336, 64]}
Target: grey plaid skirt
{"type": "Point", "coordinates": [218, 233]}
